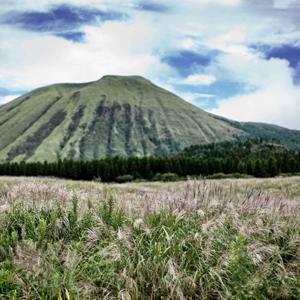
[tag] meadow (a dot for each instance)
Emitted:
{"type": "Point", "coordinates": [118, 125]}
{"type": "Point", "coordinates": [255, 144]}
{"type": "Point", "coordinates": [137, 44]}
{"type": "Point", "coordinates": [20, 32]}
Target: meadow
{"type": "Point", "coordinates": [198, 239]}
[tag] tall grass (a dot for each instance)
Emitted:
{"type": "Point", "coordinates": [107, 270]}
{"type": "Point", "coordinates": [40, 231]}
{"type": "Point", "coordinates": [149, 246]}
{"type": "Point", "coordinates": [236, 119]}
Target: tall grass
{"type": "Point", "coordinates": [206, 241]}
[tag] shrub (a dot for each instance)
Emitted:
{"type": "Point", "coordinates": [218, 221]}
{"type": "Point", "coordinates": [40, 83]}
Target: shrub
{"type": "Point", "coordinates": [166, 177]}
{"type": "Point", "coordinates": [124, 178]}
{"type": "Point", "coordinates": [217, 176]}
{"type": "Point", "coordinates": [139, 180]}
{"type": "Point", "coordinates": [97, 179]}
{"type": "Point", "coordinates": [227, 176]}
{"type": "Point", "coordinates": [240, 175]}
{"type": "Point", "coordinates": [288, 174]}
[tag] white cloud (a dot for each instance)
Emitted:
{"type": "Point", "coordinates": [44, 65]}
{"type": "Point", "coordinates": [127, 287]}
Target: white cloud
{"type": "Point", "coordinates": [276, 98]}
{"type": "Point", "coordinates": [187, 44]}
{"type": "Point", "coordinates": [194, 98]}
{"type": "Point", "coordinates": [201, 79]}
{"type": "Point", "coordinates": [283, 3]}
{"type": "Point", "coordinates": [42, 5]}
{"type": "Point", "coordinates": [269, 105]}
{"type": "Point", "coordinates": [6, 99]}
{"type": "Point", "coordinates": [230, 42]}
{"type": "Point", "coordinates": [218, 2]}
{"type": "Point", "coordinates": [30, 59]}
{"type": "Point", "coordinates": [187, 96]}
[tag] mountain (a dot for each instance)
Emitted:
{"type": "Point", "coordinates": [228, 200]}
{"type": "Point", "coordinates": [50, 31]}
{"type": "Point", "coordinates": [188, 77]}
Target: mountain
{"type": "Point", "coordinates": [116, 115]}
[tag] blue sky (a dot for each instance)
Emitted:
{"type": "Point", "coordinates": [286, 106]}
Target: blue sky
{"type": "Point", "coordinates": [236, 58]}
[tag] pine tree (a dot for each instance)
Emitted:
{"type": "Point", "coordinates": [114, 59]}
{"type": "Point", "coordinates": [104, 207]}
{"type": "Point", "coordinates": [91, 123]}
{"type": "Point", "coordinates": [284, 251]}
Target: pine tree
{"type": "Point", "coordinates": [272, 167]}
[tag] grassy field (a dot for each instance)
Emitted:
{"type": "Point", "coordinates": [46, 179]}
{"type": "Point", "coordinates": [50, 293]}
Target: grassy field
{"type": "Point", "coordinates": [227, 239]}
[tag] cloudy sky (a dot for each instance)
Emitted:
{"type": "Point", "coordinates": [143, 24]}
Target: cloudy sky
{"type": "Point", "coordinates": [236, 58]}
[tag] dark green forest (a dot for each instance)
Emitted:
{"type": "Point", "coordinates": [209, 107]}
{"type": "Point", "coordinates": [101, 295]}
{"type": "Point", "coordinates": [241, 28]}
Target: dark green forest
{"type": "Point", "coordinates": [236, 159]}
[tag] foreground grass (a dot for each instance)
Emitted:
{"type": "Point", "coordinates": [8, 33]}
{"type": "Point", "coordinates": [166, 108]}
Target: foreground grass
{"type": "Point", "coordinates": [206, 240]}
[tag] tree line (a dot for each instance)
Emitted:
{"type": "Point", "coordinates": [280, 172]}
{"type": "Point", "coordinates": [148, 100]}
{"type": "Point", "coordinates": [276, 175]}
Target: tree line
{"type": "Point", "coordinates": [263, 161]}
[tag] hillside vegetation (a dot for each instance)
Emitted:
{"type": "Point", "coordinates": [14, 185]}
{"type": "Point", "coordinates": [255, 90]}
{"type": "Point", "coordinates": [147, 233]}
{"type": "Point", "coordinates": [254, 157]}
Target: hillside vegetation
{"type": "Point", "coordinates": [289, 138]}
{"type": "Point", "coordinates": [200, 240]}
{"type": "Point", "coordinates": [244, 149]}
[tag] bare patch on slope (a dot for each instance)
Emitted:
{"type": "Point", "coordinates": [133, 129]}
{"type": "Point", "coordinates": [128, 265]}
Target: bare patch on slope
{"type": "Point", "coordinates": [111, 123]}
{"type": "Point", "coordinates": [73, 126]}
{"type": "Point", "coordinates": [93, 133]}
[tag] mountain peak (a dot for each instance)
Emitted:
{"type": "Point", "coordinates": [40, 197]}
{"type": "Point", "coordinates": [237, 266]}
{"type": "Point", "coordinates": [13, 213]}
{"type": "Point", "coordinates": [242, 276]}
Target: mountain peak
{"type": "Point", "coordinates": [124, 78]}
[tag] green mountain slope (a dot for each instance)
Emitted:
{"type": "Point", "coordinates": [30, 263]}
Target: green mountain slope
{"type": "Point", "coordinates": [284, 136]}
{"type": "Point", "coordinates": [127, 116]}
